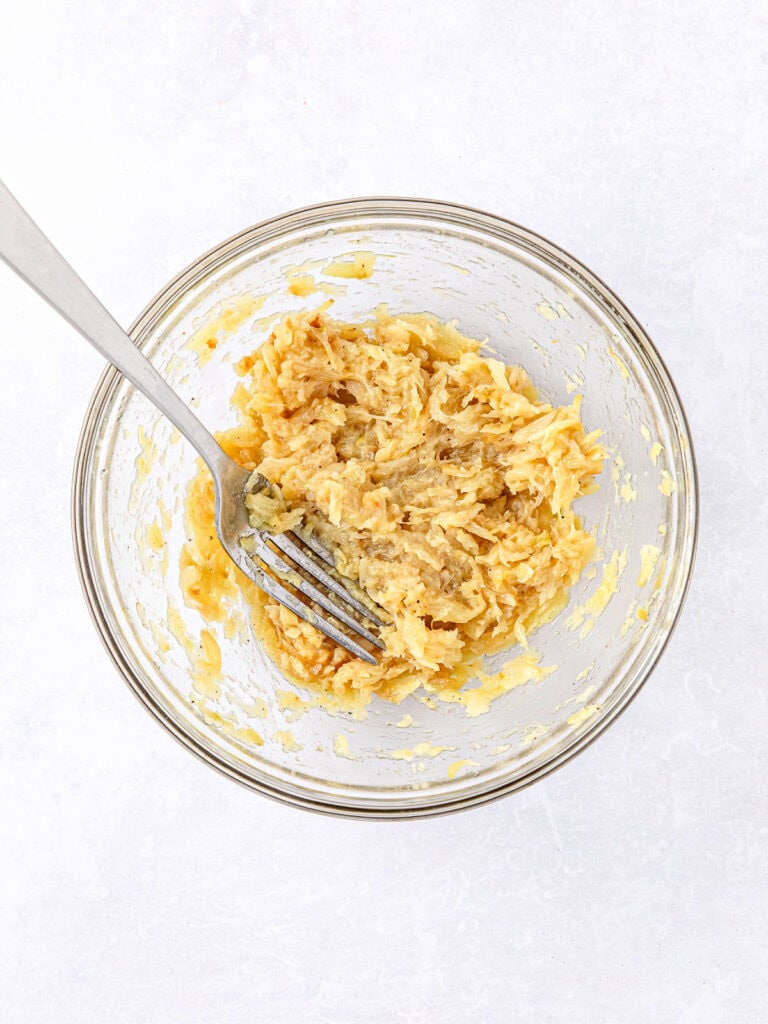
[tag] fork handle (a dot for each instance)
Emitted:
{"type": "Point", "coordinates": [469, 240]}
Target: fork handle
{"type": "Point", "coordinates": [25, 249]}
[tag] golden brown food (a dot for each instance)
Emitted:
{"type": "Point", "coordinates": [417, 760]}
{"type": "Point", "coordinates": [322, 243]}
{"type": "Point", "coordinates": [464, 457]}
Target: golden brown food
{"type": "Point", "coordinates": [436, 476]}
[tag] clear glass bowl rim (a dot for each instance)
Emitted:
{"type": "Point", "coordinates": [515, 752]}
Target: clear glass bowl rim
{"type": "Point", "coordinates": [335, 213]}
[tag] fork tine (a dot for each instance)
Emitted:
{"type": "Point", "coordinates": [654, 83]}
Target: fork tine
{"type": "Point", "coordinates": [288, 574]}
{"type": "Point", "coordinates": [314, 544]}
{"type": "Point", "coordinates": [288, 546]}
{"type": "Point", "coordinates": [280, 593]}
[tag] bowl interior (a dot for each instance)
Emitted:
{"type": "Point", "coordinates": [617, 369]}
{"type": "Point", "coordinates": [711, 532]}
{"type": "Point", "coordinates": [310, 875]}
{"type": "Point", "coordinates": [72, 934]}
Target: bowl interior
{"type": "Point", "coordinates": [538, 308]}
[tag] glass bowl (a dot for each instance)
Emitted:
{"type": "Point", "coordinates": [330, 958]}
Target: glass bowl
{"type": "Point", "coordinates": [539, 307]}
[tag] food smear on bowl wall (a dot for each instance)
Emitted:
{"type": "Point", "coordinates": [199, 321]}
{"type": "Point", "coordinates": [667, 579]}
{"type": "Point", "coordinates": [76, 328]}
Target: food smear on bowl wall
{"type": "Point", "coordinates": [435, 475]}
{"type": "Point", "coordinates": [223, 322]}
{"type": "Point", "coordinates": [359, 266]}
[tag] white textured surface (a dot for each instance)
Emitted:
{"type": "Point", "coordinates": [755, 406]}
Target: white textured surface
{"type": "Point", "coordinates": [137, 885]}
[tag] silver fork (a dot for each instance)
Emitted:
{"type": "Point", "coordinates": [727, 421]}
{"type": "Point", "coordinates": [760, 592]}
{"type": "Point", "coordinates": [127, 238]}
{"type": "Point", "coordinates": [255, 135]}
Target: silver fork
{"type": "Point", "coordinates": [297, 565]}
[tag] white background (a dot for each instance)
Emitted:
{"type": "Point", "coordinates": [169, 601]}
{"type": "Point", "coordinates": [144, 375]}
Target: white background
{"type": "Point", "coordinates": [136, 884]}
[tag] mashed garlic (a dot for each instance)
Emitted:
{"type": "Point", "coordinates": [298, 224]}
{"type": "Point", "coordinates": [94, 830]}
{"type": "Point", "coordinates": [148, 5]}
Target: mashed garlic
{"type": "Point", "coordinates": [434, 474]}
